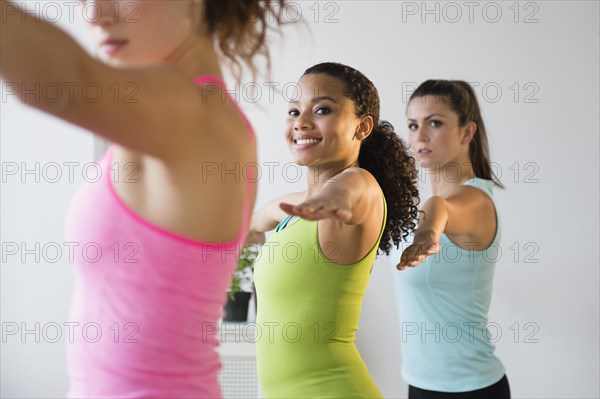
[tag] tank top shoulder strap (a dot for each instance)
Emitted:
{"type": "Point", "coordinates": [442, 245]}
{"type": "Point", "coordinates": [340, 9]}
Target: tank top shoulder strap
{"type": "Point", "coordinates": [484, 185]}
{"type": "Point", "coordinates": [487, 187]}
{"type": "Point", "coordinates": [213, 79]}
{"type": "Point", "coordinates": [381, 230]}
{"type": "Point", "coordinates": [383, 225]}
{"type": "Point", "coordinates": [384, 215]}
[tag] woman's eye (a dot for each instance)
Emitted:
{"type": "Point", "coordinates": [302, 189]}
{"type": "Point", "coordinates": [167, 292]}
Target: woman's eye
{"type": "Point", "coordinates": [293, 112]}
{"type": "Point", "coordinates": [322, 111]}
{"type": "Point", "coordinates": [435, 123]}
{"type": "Point", "coordinates": [412, 126]}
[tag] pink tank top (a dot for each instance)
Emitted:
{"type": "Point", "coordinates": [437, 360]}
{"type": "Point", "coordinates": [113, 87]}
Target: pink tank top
{"type": "Point", "coordinates": [147, 301]}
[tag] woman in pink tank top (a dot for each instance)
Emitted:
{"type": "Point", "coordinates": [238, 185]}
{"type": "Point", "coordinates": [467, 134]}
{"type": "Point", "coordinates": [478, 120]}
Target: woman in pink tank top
{"type": "Point", "coordinates": [161, 229]}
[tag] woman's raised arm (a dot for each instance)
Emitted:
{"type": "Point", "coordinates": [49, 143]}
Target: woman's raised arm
{"type": "Point", "coordinates": [151, 109]}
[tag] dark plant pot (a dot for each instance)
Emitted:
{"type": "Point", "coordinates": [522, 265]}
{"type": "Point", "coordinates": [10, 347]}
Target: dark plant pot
{"type": "Point", "coordinates": [237, 310]}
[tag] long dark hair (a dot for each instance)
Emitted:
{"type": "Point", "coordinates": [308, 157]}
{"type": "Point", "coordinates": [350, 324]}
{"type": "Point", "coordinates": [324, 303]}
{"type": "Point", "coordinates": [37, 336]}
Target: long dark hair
{"type": "Point", "coordinates": [382, 153]}
{"type": "Point", "coordinates": [240, 28]}
{"type": "Point", "coordinates": [461, 99]}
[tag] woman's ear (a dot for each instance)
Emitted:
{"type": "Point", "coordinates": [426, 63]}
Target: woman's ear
{"type": "Point", "coordinates": [365, 127]}
{"type": "Point", "coordinates": [469, 131]}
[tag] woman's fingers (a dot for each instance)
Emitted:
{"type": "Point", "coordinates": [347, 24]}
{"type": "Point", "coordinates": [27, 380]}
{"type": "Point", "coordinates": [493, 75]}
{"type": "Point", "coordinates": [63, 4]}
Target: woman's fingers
{"type": "Point", "coordinates": [416, 254]}
{"type": "Point", "coordinates": [433, 248]}
{"type": "Point", "coordinates": [316, 211]}
{"type": "Point", "coordinates": [287, 208]}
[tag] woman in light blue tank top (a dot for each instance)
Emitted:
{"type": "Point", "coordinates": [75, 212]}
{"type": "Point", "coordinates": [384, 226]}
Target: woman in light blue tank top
{"type": "Point", "coordinates": [447, 349]}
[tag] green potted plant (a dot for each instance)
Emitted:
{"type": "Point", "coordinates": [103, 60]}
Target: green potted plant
{"type": "Point", "coordinates": [240, 290]}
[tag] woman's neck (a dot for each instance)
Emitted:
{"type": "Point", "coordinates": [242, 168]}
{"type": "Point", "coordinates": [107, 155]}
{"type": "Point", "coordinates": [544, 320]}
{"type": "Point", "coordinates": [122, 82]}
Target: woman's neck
{"type": "Point", "coordinates": [196, 56]}
{"type": "Point", "coordinates": [319, 174]}
{"type": "Point", "coordinates": [446, 179]}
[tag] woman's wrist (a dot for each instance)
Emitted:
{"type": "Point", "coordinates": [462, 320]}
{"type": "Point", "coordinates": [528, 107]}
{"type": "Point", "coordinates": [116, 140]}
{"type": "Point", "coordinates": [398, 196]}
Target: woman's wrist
{"type": "Point", "coordinates": [427, 234]}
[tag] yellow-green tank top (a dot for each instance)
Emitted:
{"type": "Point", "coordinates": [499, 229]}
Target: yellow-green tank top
{"type": "Point", "coordinates": [308, 310]}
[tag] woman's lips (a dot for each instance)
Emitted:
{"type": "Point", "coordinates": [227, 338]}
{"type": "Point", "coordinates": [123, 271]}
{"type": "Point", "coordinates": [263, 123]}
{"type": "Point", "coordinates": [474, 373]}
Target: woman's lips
{"type": "Point", "coordinates": [111, 47]}
{"type": "Point", "coordinates": [302, 143]}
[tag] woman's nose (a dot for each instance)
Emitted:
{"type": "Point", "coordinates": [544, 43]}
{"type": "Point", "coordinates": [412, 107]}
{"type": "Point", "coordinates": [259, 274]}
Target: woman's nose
{"type": "Point", "coordinates": [421, 134]}
{"type": "Point", "coordinates": [302, 122]}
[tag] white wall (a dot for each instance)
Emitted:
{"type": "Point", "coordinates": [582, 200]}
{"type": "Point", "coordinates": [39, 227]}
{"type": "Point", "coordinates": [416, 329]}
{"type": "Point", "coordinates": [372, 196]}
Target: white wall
{"type": "Point", "coordinates": [548, 132]}
{"type": "Point", "coordinates": [33, 208]}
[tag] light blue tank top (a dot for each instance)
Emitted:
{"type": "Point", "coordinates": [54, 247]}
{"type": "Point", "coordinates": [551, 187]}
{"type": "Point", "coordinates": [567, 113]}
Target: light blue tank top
{"type": "Point", "coordinates": [447, 344]}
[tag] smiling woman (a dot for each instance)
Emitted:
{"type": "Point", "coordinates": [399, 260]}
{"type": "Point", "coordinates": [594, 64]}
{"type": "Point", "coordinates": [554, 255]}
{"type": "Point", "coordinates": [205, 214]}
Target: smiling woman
{"type": "Point", "coordinates": [151, 303]}
{"type": "Point", "coordinates": [361, 199]}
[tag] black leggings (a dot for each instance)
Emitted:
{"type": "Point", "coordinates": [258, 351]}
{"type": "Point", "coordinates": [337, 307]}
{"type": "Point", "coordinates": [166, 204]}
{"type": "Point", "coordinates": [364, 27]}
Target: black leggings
{"type": "Point", "coordinates": [499, 390]}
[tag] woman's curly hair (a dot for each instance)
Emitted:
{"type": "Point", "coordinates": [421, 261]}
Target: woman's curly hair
{"type": "Point", "coordinates": [383, 154]}
{"type": "Point", "coordinates": [240, 28]}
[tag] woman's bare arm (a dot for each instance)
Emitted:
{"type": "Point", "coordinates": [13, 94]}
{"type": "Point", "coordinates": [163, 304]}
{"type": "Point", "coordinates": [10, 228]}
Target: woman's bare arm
{"type": "Point", "coordinates": [268, 217]}
{"type": "Point", "coordinates": [151, 110]}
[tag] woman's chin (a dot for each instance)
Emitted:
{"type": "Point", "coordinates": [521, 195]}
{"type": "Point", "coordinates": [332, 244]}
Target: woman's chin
{"type": "Point", "coordinates": [423, 163]}
{"type": "Point", "coordinates": [113, 61]}
{"type": "Point", "coordinates": [122, 61]}
{"type": "Point", "coordinates": [303, 161]}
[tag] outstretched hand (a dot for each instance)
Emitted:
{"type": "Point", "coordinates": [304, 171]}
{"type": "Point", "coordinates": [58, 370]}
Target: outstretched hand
{"type": "Point", "coordinates": [417, 252]}
{"type": "Point", "coordinates": [320, 207]}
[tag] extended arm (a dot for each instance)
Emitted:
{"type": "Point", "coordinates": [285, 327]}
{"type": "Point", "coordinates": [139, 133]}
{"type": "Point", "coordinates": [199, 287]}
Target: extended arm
{"type": "Point", "coordinates": [343, 197]}
{"type": "Point", "coordinates": [459, 214]}
{"type": "Point", "coordinates": [268, 217]}
{"type": "Point", "coordinates": [145, 109]}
